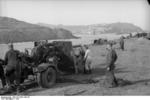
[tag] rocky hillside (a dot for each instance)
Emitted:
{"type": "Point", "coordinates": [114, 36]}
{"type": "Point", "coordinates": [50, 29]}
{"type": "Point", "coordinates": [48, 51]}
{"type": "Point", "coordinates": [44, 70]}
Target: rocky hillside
{"type": "Point", "coordinates": [119, 28]}
{"type": "Point", "coordinates": [12, 30]}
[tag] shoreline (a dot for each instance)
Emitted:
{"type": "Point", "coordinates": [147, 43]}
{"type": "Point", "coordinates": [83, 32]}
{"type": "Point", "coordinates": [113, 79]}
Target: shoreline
{"type": "Point", "coordinates": [85, 39]}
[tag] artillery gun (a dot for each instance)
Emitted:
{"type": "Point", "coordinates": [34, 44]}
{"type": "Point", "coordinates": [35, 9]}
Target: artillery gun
{"type": "Point", "coordinates": [48, 62]}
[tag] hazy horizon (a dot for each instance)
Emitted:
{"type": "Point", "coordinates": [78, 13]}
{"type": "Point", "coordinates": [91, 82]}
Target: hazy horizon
{"type": "Point", "coordinates": [75, 12]}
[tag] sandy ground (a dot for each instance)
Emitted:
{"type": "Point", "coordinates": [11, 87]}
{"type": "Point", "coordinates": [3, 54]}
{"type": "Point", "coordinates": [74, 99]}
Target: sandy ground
{"type": "Point", "coordinates": [133, 65]}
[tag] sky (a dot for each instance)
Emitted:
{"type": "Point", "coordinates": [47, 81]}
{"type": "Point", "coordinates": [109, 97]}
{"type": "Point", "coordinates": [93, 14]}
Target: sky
{"type": "Point", "coordinates": [78, 12]}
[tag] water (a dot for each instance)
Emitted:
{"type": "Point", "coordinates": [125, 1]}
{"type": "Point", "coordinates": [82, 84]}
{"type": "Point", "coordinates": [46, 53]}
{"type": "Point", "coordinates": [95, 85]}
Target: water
{"type": "Point", "coordinates": [85, 39]}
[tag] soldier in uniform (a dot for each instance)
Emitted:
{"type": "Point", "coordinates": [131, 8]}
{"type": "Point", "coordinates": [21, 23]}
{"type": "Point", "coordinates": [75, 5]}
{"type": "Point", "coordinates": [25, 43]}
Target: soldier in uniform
{"type": "Point", "coordinates": [78, 55]}
{"type": "Point", "coordinates": [111, 58]}
{"type": "Point", "coordinates": [75, 61]}
{"type": "Point", "coordinates": [26, 52]}
{"type": "Point", "coordinates": [121, 43]}
{"type": "Point", "coordinates": [35, 53]}
{"type": "Point", "coordinates": [13, 70]}
{"type": "Point", "coordinates": [88, 61]}
{"type": "Point", "coordinates": [130, 35]}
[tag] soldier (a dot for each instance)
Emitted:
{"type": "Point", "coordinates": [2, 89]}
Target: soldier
{"type": "Point", "coordinates": [12, 67]}
{"type": "Point", "coordinates": [88, 61]}
{"type": "Point", "coordinates": [82, 54]}
{"type": "Point", "coordinates": [38, 53]}
{"type": "Point", "coordinates": [122, 43]}
{"type": "Point", "coordinates": [34, 54]}
{"type": "Point", "coordinates": [26, 51]}
{"type": "Point", "coordinates": [75, 62]}
{"type": "Point", "coordinates": [110, 66]}
{"type": "Point", "coordinates": [2, 76]}
{"type": "Point", "coordinates": [130, 35]}
{"type": "Point", "coordinates": [78, 55]}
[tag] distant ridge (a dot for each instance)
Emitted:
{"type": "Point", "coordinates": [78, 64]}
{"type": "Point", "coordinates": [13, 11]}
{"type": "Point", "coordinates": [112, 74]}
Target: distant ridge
{"type": "Point", "coordinates": [13, 30]}
{"type": "Point", "coordinates": [118, 28]}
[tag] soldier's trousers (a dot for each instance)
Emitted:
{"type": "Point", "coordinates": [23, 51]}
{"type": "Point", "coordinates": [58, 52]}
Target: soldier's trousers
{"type": "Point", "coordinates": [110, 79]}
{"type": "Point", "coordinates": [88, 64]}
{"type": "Point", "coordinates": [13, 74]}
{"type": "Point", "coordinates": [122, 46]}
{"type": "Point", "coordinates": [80, 64]}
{"type": "Point", "coordinates": [2, 76]}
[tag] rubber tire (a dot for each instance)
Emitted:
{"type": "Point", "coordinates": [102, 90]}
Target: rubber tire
{"type": "Point", "coordinates": [43, 78]}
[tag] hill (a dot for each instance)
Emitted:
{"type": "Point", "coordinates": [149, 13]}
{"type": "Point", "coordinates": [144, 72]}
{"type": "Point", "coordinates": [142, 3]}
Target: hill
{"type": "Point", "coordinates": [119, 28]}
{"type": "Point", "coordinates": [12, 30]}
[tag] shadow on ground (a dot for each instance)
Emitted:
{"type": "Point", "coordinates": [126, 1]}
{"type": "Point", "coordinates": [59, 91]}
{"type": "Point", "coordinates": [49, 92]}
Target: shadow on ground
{"type": "Point", "coordinates": [75, 79]}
